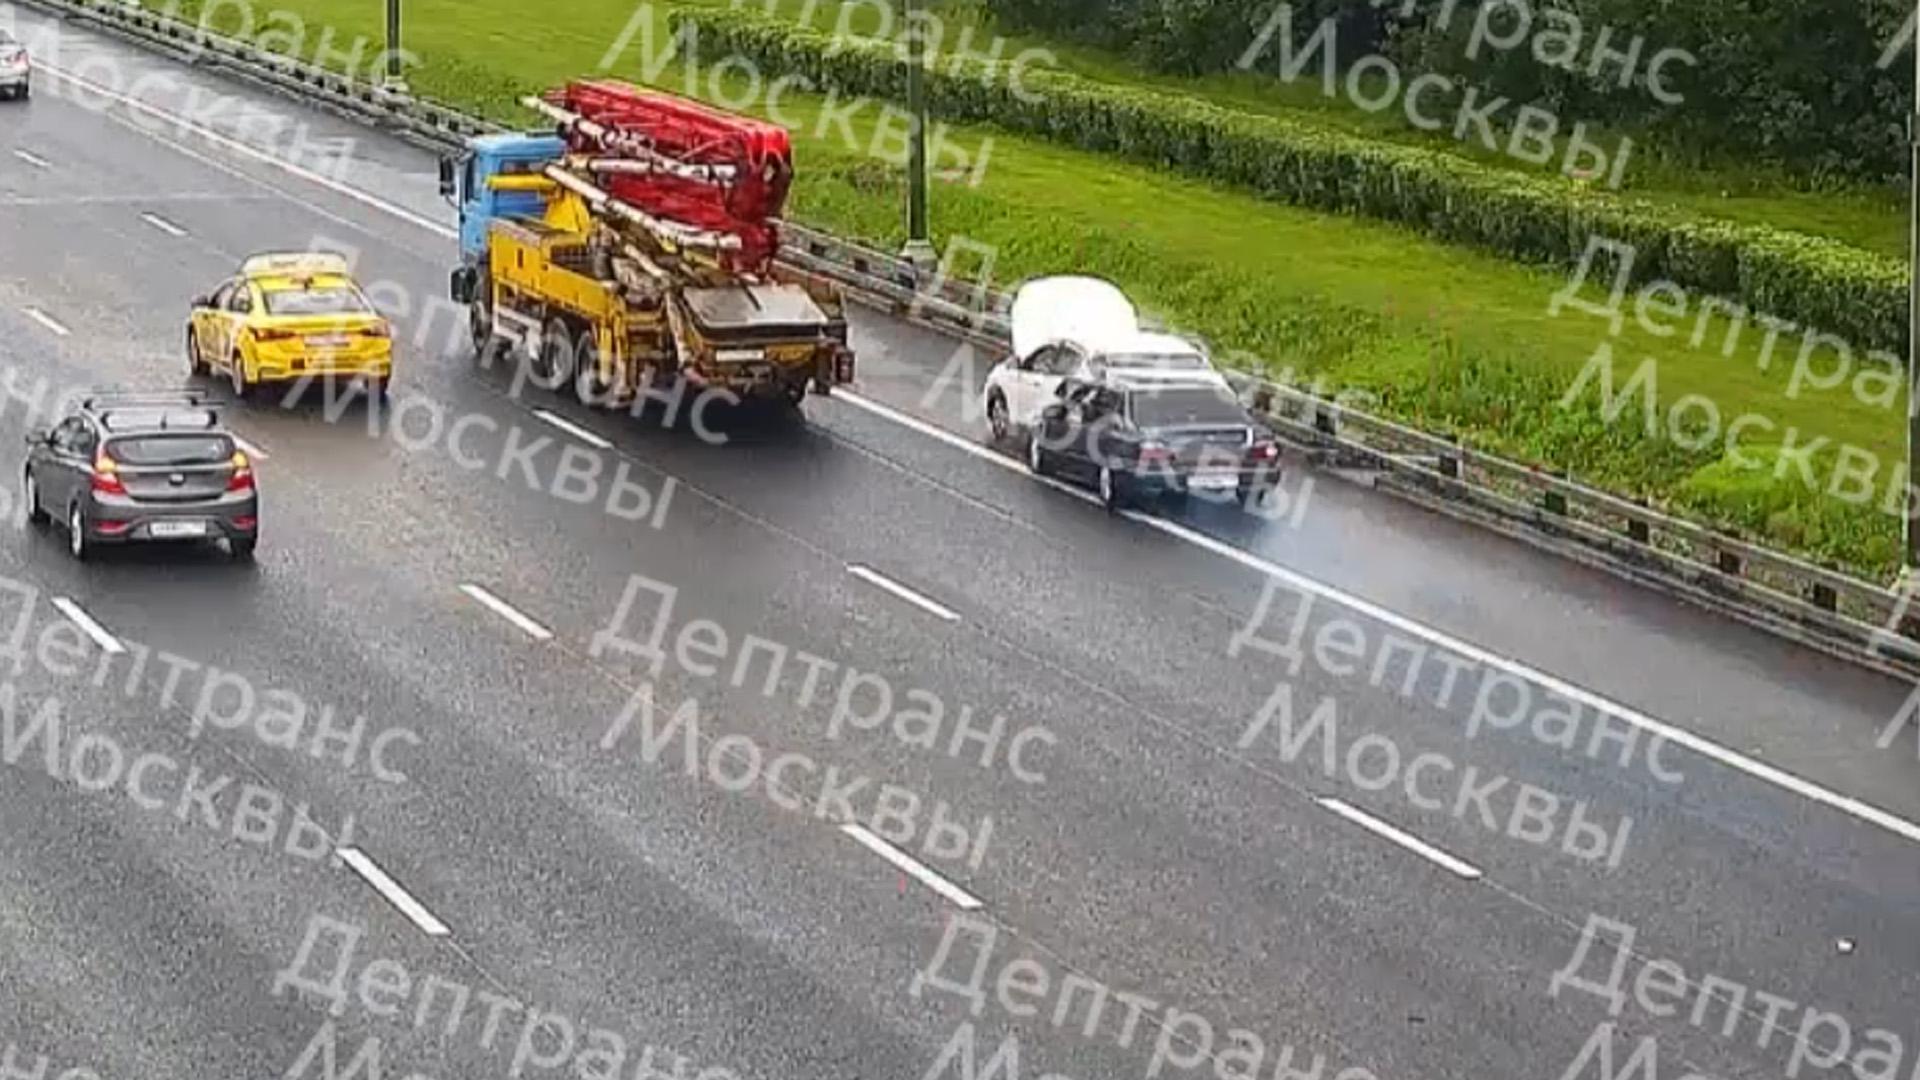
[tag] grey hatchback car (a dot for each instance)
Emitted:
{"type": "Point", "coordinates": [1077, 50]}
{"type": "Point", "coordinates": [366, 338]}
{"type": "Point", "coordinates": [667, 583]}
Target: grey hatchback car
{"type": "Point", "coordinates": [132, 468]}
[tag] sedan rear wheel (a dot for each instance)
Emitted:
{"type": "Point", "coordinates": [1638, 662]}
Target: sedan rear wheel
{"type": "Point", "coordinates": [1036, 455]}
{"type": "Point", "coordinates": [997, 420]}
{"type": "Point", "coordinates": [1109, 488]}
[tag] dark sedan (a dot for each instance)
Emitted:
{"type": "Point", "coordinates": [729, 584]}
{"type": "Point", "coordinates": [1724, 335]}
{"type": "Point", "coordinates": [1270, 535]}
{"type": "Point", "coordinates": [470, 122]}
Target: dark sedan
{"type": "Point", "coordinates": [1140, 439]}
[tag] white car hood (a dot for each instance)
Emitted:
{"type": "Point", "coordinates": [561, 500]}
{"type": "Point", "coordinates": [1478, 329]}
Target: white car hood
{"type": "Point", "coordinates": [1081, 309]}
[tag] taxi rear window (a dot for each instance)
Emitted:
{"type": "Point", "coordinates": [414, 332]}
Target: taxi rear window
{"type": "Point", "coordinates": [321, 300]}
{"type": "Point", "coordinates": [173, 449]}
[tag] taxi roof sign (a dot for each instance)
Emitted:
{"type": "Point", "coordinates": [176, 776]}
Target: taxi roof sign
{"type": "Point", "coordinates": [295, 264]}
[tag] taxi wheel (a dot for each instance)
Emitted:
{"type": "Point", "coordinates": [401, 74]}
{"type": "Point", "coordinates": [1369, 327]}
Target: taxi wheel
{"type": "Point", "coordinates": [242, 547]}
{"type": "Point", "coordinates": [196, 366]}
{"type": "Point", "coordinates": [237, 374]}
{"type": "Point", "coordinates": [998, 422]}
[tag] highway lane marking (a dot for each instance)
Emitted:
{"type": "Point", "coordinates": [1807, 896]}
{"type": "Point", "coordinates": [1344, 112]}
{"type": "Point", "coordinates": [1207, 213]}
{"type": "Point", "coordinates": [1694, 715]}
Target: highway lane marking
{"type": "Point", "coordinates": [87, 626]}
{"type": "Point", "coordinates": [508, 612]}
{"type": "Point", "coordinates": [163, 224]}
{"type": "Point", "coordinates": [33, 159]}
{"type": "Point", "coordinates": [1701, 745]}
{"type": "Point", "coordinates": [916, 599]}
{"type": "Point", "coordinates": [1404, 839]}
{"type": "Point", "coordinates": [414, 910]}
{"type": "Point", "coordinates": [573, 429]}
{"type": "Point", "coordinates": [911, 866]}
{"type": "Point", "coordinates": [182, 123]}
{"type": "Point", "coordinates": [46, 320]}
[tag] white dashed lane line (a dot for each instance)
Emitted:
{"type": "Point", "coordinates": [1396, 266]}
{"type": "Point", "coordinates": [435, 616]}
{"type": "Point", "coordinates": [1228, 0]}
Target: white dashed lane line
{"type": "Point", "coordinates": [508, 612]}
{"type": "Point", "coordinates": [88, 626]}
{"type": "Point", "coordinates": [573, 429]}
{"type": "Point", "coordinates": [1404, 839]}
{"type": "Point", "coordinates": [163, 224]}
{"type": "Point", "coordinates": [875, 577]}
{"type": "Point", "coordinates": [912, 867]}
{"type": "Point", "coordinates": [46, 320]}
{"type": "Point", "coordinates": [403, 901]}
{"type": "Point", "coordinates": [33, 159]}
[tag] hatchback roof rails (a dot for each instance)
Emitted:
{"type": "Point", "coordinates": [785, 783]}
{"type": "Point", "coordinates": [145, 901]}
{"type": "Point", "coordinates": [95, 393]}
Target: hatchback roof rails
{"type": "Point", "coordinates": [194, 398]}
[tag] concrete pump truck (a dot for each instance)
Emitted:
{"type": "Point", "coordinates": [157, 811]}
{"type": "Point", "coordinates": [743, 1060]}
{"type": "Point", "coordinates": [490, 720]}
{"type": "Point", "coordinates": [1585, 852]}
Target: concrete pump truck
{"type": "Point", "coordinates": [635, 246]}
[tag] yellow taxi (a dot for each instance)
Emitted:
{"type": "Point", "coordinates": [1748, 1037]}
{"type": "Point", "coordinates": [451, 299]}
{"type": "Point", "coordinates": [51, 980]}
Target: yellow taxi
{"type": "Point", "coordinates": [287, 318]}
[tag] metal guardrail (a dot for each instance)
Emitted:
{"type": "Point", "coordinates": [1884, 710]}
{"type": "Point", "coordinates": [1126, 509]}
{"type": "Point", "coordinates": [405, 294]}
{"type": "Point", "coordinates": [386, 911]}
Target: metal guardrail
{"type": "Point", "coordinates": [1835, 612]}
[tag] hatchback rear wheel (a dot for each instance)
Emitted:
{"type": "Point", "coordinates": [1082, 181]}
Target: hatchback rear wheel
{"type": "Point", "coordinates": [77, 541]}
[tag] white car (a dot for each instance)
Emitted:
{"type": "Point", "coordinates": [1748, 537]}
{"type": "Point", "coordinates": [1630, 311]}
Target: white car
{"type": "Point", "coordinates": [1078, 327]}
{"type": "Point", "coordinates": [16, 71]}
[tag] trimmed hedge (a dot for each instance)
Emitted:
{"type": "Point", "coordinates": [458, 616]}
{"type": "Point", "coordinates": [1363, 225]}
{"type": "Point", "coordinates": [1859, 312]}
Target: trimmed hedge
{"type": "Point", "coordinates": [1813, 281]}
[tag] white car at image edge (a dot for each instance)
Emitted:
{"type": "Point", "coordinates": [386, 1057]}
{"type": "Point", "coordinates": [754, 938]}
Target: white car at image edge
{"type": "Point", "coordinates": [1071, 326]}
{"type": "Point", "coordinates": [16, 71]}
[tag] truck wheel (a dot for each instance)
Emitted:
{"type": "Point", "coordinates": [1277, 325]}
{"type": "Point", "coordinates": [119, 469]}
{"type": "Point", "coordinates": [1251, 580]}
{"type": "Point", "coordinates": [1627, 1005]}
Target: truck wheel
{"type": "Point", "coordinates": [588, 387]}
{"type": "Point", "coordinates": [554, 367]}
{"type": "Point", "coordinates": [480, 327]}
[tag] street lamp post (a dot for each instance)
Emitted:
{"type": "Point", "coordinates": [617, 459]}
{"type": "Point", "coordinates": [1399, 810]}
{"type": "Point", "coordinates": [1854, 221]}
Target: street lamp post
{"type": "Point", "coordinates": [394, 81]}
{"type": "Point", "coordinates": [919, 250]}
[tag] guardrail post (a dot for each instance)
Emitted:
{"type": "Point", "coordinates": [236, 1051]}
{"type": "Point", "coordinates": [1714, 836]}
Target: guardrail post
{"type": "Point", "coordinates": [1728, 563]}
{"type": "Point", "coordinates": [1325, 422]}
{"type": "Point", "coordinates": [1823, 596]}
{"type": "Point", "coordinates": [1449, 464]}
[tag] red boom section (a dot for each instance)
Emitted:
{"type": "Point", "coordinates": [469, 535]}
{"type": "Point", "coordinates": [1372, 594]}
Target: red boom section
{"type": "Point", "coordinates": [687, 162]}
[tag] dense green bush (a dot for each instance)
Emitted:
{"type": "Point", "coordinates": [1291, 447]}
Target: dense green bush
{"type": "Point", "coordinates": [1795, 83]}
{"type": "Point", "coordinates": [1813, 281]}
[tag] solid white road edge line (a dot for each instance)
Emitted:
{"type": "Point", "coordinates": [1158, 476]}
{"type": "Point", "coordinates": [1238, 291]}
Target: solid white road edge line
{"type": "Point", "coordinates": [573, 429]}
{"type": "Point", "coordinates": [1701, 745]}
{"type": "Point", "coordinates": [506, 611]}
{"type": "Point", "coordinates": [414, 910]}
{"type": "Point", "coordinates": [32, 159]}
{"type": "Point", "coordinates": [87, 626]}
{"type": "Point", "coordinates": [46, 320]}
{"type": "Point", "coordinates": [254, 152]}
{"type": "Point", "coordinates": [904, 593]}
{"type": "Point", "coordinates": [911, 866]}
{"type": "Point", "coordinates": [163, 224]}
{"type": "Point", "coordinates": [1406, 840]}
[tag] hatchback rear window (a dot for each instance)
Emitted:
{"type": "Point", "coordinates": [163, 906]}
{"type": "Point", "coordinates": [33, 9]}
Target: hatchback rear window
{"type": "Point", "coordinates": [1177, 406]}
{"type": "Point", "coordinates": [172, 450]}
{"type": "Point", "coordinates": [326, 301]}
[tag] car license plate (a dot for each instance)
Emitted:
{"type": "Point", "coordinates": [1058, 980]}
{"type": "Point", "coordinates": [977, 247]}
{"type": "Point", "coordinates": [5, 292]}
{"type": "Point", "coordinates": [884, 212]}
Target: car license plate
{"type": "Point", "coordinates": [167, 530]}
{"type": "Point", "coordinates": [327, 341]}
{"type": "Point", "coordinates": [1214, 481]}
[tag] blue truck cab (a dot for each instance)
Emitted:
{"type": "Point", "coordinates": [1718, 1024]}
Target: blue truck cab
{"type": "Point", "coordinates": [463, 182]}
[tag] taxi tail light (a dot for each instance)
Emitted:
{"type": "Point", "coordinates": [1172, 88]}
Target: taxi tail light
{"type": "Point", "coordinates": [379, 330]}
{"type": "Point", "coordinates": [264, 334]}
{"type": "Point", "coordinates": [106, 476]}
{"type": "Point", "coordinates": [1264, 451]}
{"type": "Point", "coordinates": [1155, 453]}
{"type": "Point", "coordinates": [245, 521]}
{"type": "Point", "coordinates": [112, 528]}
{"type": "Point", "coordinates": [242, 478]}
